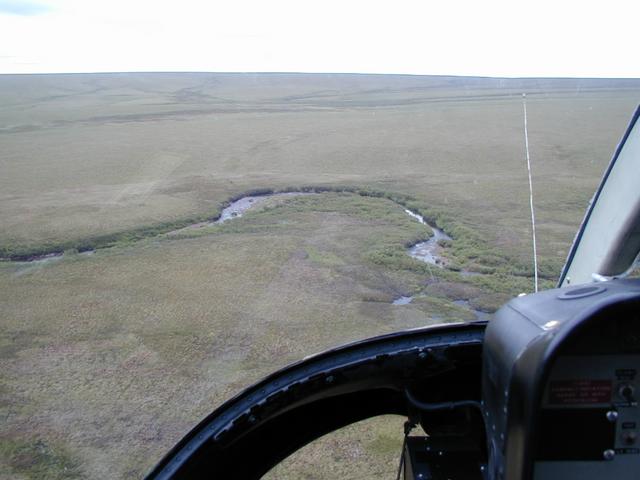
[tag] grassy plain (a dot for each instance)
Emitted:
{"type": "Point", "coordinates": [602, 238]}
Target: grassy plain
{"type": "Point", "coordinates": [109, 359]}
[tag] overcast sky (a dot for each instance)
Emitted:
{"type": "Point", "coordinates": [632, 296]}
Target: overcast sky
{"type": "Point", "coordinates": [444, 37]}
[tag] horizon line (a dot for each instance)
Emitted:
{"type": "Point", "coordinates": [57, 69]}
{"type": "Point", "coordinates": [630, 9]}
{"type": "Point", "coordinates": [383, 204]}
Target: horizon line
{"type": "Point", "coordinates": [248, 72]}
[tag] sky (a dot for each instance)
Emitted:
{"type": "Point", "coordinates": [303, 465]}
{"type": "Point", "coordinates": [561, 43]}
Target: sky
{"type": "Point", "coordinates": [539, 38]}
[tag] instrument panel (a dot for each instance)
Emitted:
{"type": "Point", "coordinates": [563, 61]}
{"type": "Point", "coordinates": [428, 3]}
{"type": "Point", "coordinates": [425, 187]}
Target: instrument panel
{"type": "Point", "coordinates": [561, 382]}
{"type": "Point", "coordinates": [588, 424]}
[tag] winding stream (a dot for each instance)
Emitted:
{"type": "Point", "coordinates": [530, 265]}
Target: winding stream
{"type": "Point", "coordinates": [237, 208]}
{"type": "Point", "coordinates": [427, 251]}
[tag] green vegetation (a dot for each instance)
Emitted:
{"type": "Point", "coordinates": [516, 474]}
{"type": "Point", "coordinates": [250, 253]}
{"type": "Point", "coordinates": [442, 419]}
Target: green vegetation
{"type": "Point", "coordinates": [38, 460]}
{"type": "Point", "coordinates": [109, 359]}
{"type": "Point", "coordinates": [368, 449]}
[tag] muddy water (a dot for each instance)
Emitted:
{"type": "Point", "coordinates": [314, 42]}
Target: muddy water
{"type": "Point", "coordinates": [238, 208]}
{"type": "Point", "coordinates": [40, 259]}
{"type": "Point", "coordinates": [402, 300]}
{"type": "Point", "coordinates": [480, 315]}
{"type": "Point", "coordinates": [427, 251]}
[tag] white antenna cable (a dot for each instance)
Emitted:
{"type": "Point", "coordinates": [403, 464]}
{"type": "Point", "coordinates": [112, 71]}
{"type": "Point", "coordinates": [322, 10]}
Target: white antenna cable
{"type": "Point", "coordinates": [533, 217]}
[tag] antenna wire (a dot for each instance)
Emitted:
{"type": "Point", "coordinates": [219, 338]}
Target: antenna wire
{"type": "Point", "coordinates": [533, 217]}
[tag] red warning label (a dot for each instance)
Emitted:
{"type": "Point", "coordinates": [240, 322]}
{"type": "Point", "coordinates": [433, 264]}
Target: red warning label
{"type": "Point", "coordinates": [579, 392]}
